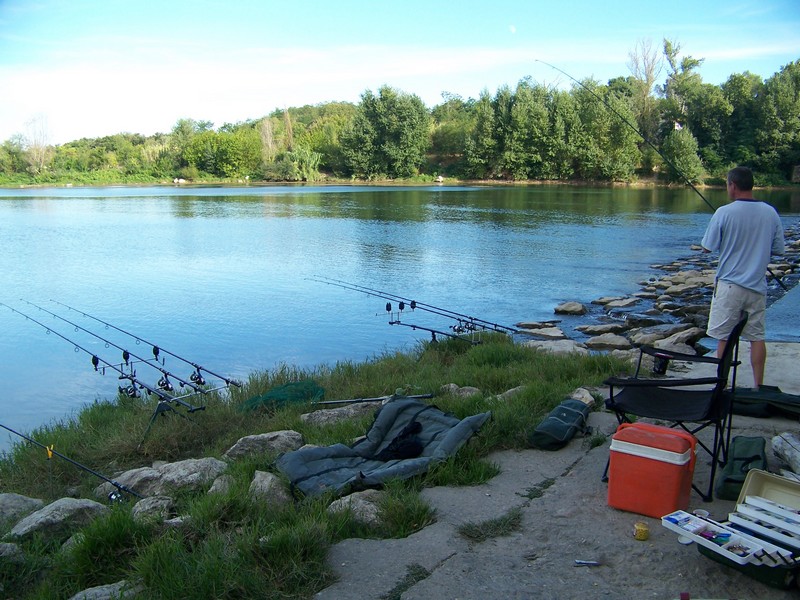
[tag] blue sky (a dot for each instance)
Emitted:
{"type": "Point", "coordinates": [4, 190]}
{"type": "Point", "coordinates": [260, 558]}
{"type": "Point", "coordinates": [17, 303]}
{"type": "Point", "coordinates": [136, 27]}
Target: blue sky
{"type": "Point", "coordinates": [88, 68]}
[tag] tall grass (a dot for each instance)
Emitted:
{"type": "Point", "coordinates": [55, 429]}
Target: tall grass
{"type": "Point", "coordinates": [230, 545]}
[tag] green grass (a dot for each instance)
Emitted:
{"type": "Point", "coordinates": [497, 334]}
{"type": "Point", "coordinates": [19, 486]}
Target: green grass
{"type": "Point", "coordinates": [232, 546]}
{"type": "Point", "coordinates": [502, 526]}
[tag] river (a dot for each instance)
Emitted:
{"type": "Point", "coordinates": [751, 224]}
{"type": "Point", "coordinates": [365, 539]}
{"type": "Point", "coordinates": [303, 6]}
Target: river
{"type": "Point", "coordinates": [229, 277]}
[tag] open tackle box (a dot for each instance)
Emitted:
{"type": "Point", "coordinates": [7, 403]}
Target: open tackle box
{"type": "Point", "coordinates": [761, 537]}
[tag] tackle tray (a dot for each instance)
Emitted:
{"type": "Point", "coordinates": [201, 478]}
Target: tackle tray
{"type": "Point", "coordinates": [729, 543]}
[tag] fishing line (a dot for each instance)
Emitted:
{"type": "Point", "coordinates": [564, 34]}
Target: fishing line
{"type": "Point", "coordinates": [653, 146]}
{"type": "Point", "coordinates": [196, 377]}
{"type": "Point", "coordinates": [50, 450]}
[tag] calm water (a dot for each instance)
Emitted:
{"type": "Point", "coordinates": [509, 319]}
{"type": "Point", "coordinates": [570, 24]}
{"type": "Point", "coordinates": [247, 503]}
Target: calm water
{"type": "Point", "coordinates": [225, 276]}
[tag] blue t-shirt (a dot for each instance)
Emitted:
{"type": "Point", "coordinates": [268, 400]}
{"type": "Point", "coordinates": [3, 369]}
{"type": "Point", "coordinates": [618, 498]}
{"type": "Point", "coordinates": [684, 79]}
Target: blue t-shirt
{"type": "Point", "coordinates": [746, 233]}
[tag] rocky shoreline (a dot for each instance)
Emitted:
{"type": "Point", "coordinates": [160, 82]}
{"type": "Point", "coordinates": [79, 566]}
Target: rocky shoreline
{"type": "Point", "coordinates": [669, 311]}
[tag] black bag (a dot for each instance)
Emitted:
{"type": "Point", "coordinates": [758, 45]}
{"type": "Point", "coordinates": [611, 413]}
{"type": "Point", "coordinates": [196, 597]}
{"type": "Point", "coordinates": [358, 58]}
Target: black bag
{"type": "Point", "coordinates": [561, 425]}
{"type": "Point", "coordinates": [745, 453]}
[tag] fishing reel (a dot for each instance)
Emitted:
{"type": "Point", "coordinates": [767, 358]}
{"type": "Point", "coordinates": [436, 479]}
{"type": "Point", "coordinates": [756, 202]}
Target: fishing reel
{"type": "Point", "coordinates": [131, 391]}
{"type": "Point", "coordinates": [165, 384]}
{"type": "Point", "coordinates": [197, 378]}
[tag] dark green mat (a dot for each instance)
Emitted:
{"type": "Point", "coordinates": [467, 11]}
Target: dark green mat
{"type": "Point", "coordinates": [768, 401]}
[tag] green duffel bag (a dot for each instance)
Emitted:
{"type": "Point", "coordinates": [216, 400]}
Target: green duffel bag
{"type": "Point", "coordinates": [561, 425]}
{"type": "Point", "coordinates": [745, 453]}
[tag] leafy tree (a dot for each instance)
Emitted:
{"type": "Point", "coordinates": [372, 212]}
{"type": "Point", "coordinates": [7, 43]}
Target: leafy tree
{"type": "Point", "coordinates": [680, 147]}
{"type": "Point", "coordinates": [742, 91]}
{"type": "Point", "coordinates": [682, 82]}
{"type": "Point", "coordinates": [778, 137]}
{"type": "Point", "coordinates": [453, 121]}
{"type": "Point", "coordinates": [389, 135]}
{"type": "Point", "coordinates": [481, 147]}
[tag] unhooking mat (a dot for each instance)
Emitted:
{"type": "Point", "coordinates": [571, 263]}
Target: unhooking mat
{"type": "Point", "coordinates": [406, 438]}
{"type": "Point", "coordinates": [767, 401]}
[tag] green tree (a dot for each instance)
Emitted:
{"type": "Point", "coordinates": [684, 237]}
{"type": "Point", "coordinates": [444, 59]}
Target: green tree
{"type": "Point", "coordinates": [778, 137]}
{"type": "Point", "coordinates": [481, 147]}
{"type": "Point", "coordinates": [742, 91]}
{"type": "Point", "coordinates": [389, 135]}
{"type": "Point", "coordinates": [680, 147]}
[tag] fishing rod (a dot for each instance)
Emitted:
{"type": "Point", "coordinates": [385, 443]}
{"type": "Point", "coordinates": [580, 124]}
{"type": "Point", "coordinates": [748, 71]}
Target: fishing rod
{"type": "Point", "coordinates": [465, 321]}
{"type": "Point", "coordinates": [653, 146]}
{"type": "Point", "coordinates": [195, 377]}
{"type": "Point", "coordinates": [163, 383]}
{"type": "Point", "coordinates": [97, 361]}
{"type": "Point", "coordinates": [50, 451]}
{"type": "Point", "coordinates": [434, 332]}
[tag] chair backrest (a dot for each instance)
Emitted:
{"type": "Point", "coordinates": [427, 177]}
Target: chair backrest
{"type": "Point", "coordinates": [729, 353]}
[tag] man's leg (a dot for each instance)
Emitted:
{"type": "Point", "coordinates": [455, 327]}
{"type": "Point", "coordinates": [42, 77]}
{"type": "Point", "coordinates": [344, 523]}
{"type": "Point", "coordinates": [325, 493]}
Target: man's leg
{"type": "Point", "coordinates": [758, 359]}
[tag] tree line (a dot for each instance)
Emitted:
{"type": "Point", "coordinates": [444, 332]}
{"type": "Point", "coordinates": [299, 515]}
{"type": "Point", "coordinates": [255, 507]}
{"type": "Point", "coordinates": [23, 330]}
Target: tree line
{"type": "Point", "coordinates": [619, 131]}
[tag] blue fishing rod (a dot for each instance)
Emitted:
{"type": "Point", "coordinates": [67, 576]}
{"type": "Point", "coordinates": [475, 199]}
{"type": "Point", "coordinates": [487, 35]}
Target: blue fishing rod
{"type": "Point", "coordinates": [163, 383]}
{"type": "Point", "coordinates": [652, 145]}
{"type": "Point", "coordinates": [196, 377]}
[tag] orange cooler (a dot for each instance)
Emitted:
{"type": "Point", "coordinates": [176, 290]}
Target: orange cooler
{"type": "Point", "coordinates": [650, 469]}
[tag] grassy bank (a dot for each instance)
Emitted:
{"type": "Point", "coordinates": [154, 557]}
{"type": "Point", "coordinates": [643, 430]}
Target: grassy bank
{"type": "Point", "coordinates": [235, 547]}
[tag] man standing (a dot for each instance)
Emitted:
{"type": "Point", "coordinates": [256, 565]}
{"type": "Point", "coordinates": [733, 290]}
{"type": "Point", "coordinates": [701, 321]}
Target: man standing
{"type": "Point", "coordinates": [746, 233]}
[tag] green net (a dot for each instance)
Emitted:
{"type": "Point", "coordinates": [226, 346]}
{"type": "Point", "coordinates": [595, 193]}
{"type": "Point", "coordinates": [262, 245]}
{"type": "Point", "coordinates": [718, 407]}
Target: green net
{"type": "Point", "coordinates": [288, 393]}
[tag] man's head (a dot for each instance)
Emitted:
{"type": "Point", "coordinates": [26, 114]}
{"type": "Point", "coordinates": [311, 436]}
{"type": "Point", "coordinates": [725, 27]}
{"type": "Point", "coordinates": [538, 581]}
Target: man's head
{"type": "Point", "coordinates": [741, 178]}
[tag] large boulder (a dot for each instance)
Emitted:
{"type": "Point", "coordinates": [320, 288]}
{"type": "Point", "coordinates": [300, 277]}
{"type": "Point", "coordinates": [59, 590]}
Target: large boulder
{"type": "Point", "coordinates": [363, 506]}
{"type": "Point", "coordinates": [192, 474]}
{"type": "Point", "coordinates": [273, 442]}
{"type": "Point", "coordinates": [343, 413]}
{"type": "Point", "coordinates": [59, 518]}
{"type": "Point", "coordinates": [268, 487]}
{"type": "Point", "coordinates": [15, 506]}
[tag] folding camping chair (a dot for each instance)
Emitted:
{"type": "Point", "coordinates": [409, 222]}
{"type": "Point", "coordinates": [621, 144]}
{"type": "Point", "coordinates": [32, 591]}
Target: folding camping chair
{"type": "Point", "coordinates": [691, 409]}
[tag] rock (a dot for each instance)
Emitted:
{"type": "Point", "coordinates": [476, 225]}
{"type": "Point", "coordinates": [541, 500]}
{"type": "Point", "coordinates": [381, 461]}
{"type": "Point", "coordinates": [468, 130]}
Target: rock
{"type": "Point", "coordinates": [456, 390]}
{"type": "Point", "coordinates": [221, 485]}
{"type": "Point", "coordinates": [273, 442]}
{"type": "Point", "coordinates": [558, 346]}
{"type": "Point", "coordinates": [59, 518]}
{"type": "Point", "coordinates": [165, 478]}
{"type": "Point", "coordinates": [113, 591]}
{"type": "Point", "coordinates": [606, 299]}
{"type": "Point", "coordinates": [268, 487]}
{"type": "Point", "coordinates": [154, 508]}
{"type": "Point", "coordinates": [583, 395]}
{"type": "Point", "coordinates": [624, 303]}
{"type": "Point", "coordinates": [536, 324]}
{"type": "Point", "coordinates": [508, 394]}
{"type": "Point", "coordinates": [549, 333]}
{"type": "Point", "coordinates": [570, 308]}
{"type": "Point", "coordinates": [608, 341]}
{"type": "Point", "coordinates": [335, 415]}
{"type": "Point", "coordinates": [600, 329]}
{"type": "Point", "coordinates": [11, 554]}
{"type": "Point", "coordinates": [15, 506]}
{"type": "Point", "coordinates": [363, 506]}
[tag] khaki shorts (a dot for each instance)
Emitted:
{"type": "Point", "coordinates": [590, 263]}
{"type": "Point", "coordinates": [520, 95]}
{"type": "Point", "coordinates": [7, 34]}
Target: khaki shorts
{"type": "Point", "coordinates": [730, 303]}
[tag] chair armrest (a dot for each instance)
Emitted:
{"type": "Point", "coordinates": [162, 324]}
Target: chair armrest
{"type": "Point", "coordinates": [633, 382]}
{"type": "Point", "coordinates": [660, 352]}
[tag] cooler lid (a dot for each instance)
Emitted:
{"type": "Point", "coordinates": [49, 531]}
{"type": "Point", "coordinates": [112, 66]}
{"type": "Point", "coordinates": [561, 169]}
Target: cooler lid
{"type": "Point", "coordinates": [655, 436]}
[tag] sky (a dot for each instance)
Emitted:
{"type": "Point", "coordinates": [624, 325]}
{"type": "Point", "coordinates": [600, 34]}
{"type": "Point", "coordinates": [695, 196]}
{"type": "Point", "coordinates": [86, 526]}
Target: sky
{"type": "Point", "coordinates": [71, 69]}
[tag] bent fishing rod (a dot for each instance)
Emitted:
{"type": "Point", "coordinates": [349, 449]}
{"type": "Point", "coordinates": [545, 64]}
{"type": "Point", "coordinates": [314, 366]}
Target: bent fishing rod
{"type": "Point", "coordinates": [653, 146]}
{"type": "Point", "coordinates": [97, 361]}
{"type": "Point", "coordinates": [196, 377]}
{"type": "Point", "coordinates": [466, 322]}
{"type": "Point", "coordinates": [50, 450]}
{"type": "Point", "coordinates": [163, 383]}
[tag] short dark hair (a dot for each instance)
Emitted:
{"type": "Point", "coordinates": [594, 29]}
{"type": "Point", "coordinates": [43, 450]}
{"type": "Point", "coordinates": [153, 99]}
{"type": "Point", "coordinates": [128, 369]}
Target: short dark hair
{"type": "Point", "coordinates": [742, 177]}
